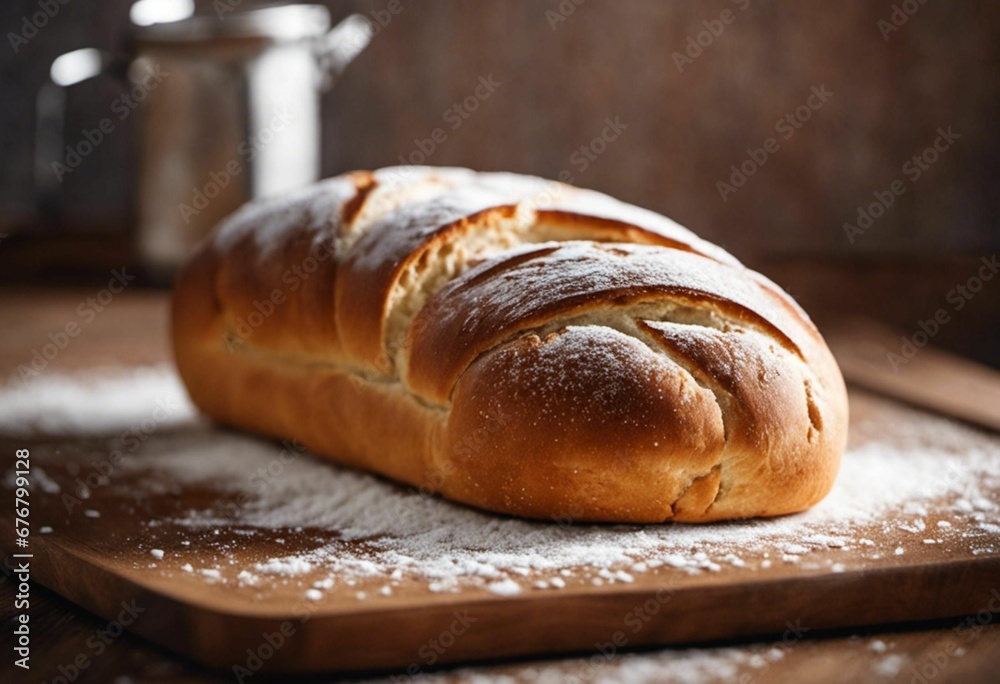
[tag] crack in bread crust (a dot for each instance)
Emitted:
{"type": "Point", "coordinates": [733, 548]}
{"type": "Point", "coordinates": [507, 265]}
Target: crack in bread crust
{"type": "Point", "coordinates": [536, 286]}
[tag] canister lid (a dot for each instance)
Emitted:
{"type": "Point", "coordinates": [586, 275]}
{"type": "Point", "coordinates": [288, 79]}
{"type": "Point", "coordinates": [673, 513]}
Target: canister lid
{"type": "Point", "coordinates": [175, 21]}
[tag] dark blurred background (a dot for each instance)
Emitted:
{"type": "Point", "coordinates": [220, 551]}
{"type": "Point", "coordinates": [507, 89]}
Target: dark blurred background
{"type": "Point", "coordinates": [564, 67]}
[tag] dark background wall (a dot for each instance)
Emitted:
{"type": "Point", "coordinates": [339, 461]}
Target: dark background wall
{"type": "Point", "coordinates": [615, 59]}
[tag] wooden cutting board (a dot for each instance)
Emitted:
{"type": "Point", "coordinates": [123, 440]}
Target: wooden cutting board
{"type": "Point", "coordinates": [104, 560]}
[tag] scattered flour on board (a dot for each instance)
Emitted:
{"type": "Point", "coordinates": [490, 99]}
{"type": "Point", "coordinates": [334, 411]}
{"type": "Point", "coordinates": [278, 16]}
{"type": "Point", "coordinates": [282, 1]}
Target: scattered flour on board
{"type": "Point", "coordinates": [95, 402]}
{"type": "Point", "coordinates": [750, 663]}
{"type": "Point", "coordinates": [899, 461]}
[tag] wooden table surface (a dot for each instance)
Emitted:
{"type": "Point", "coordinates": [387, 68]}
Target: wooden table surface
{"type": "Point", "coordinates": [132, 329]}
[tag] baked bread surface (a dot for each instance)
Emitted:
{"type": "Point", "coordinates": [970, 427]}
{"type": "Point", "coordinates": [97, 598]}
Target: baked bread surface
{"type": "Point", "coordinates": [515, 344]}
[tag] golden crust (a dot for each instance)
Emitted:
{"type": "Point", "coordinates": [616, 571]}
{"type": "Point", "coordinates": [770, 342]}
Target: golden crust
{"type": "Point", "coordinates": [406, 322]}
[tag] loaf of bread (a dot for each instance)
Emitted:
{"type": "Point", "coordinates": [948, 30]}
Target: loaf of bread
{"type": "Point", "coordinates": [515, 344]}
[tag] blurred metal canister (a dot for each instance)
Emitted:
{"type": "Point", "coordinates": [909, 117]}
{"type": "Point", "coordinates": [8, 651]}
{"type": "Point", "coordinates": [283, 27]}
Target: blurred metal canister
{"type": "Point", "coordinates": [229, 109]}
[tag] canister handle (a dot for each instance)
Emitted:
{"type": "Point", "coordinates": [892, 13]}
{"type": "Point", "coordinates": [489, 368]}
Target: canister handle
{"type": "Point", "coordinates": [339, 46]}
